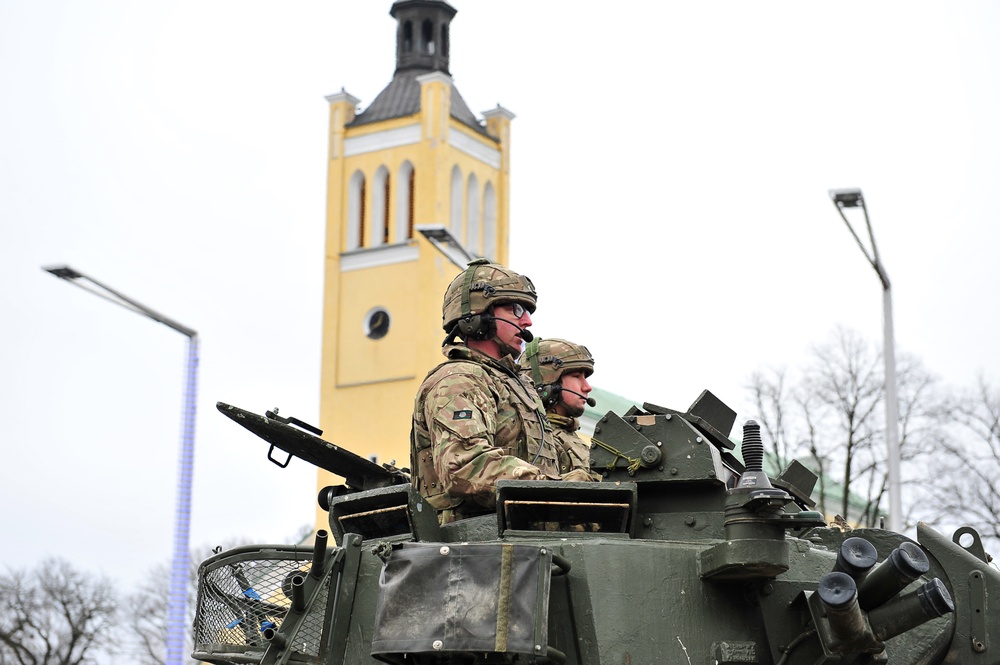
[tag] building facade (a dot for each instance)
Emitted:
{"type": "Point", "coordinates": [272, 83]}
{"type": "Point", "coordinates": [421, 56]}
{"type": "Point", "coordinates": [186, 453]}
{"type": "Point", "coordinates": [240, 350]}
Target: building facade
{"type": "Point", "coordinates": [417, 186]}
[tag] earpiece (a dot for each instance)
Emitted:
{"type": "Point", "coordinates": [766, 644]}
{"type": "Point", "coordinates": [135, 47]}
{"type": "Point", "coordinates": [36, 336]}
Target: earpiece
{"type": "Point", "coordinates": [477, 326]}
{"type": "Point", "coordinates": [549, 393]}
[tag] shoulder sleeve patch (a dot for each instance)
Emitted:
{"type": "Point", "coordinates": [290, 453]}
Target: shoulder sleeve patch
{"type": "Point", "coordinates": [463, 414]}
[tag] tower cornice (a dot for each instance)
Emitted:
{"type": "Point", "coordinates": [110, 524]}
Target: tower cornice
{"type": "Point", "coordinates": [432, 77]}
{"type": "Point", "coordinates": [499, 112]}
{"type": "Point", "coordinates": [343, 96]}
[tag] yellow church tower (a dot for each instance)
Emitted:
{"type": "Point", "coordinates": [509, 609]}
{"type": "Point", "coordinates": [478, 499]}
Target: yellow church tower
{"type": "Point", "coordinates": [417, 187]}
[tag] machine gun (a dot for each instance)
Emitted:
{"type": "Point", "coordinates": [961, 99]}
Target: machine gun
{"type": "Point", "coordinates": [696, 557]}
{"type": "Point", "coordinates": [302, 440]}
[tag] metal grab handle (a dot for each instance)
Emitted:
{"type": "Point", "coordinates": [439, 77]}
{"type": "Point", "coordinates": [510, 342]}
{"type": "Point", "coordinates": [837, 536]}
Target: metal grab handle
{"type": "Point", "coordinates": [562, 564]}
{"type": "Point", "coordinates": [554, 656]}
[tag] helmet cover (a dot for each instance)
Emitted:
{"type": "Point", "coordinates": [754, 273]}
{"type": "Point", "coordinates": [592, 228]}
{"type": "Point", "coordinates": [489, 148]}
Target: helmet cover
{"type": "Point", "coordinates": [483, 285]}
{"type": "Point", "coordinates": [549, 359]}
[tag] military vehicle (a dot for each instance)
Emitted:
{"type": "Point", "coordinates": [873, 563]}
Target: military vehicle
{"type": "Point", "coordinates": [684, 554]}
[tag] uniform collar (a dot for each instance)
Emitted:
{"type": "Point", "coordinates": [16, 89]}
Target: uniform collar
{"type": "Point", "coordinates": [566, 422]}
{"type": "Point", "coordinates": [460, 351]}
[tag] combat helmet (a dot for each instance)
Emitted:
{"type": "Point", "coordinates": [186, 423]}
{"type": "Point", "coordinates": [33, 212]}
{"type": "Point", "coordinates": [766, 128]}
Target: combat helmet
{"type": "Point", "coordinates": [481, 286]}
{"type": "Point", "coordinates": [549, 359]}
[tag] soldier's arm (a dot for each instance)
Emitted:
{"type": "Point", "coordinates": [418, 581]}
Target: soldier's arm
{"type": "Point", "coordinates": [574, 457]}
{"type": "Point", "coordinates": [579, 454]}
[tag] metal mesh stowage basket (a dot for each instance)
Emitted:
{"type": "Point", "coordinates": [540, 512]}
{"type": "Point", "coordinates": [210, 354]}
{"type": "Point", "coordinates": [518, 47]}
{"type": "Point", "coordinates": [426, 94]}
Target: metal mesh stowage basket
{"type": "Point", "coordinates": [246, 593]}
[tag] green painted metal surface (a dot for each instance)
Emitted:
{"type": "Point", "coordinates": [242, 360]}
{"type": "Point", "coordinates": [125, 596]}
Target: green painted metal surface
{"type": "Point", "coordinates": [685, 553]}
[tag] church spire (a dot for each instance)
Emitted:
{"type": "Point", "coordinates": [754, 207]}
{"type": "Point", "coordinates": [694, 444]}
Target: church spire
{"type": "Point", "coordinates": [422, 40]}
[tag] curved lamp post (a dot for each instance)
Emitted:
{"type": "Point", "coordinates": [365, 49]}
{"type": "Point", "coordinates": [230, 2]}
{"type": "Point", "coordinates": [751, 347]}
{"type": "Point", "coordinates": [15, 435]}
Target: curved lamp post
{"type": "Point", "coordinates": [181, 562]}
{"type": "Point", "coordinates": [852, 198]}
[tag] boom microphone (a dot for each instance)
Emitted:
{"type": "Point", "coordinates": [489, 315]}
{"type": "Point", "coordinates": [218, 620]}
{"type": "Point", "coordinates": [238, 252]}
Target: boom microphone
{"type": "Point", "coordinates": [525, 333]}
{"type": "Point", "coordinates": [590, 400]}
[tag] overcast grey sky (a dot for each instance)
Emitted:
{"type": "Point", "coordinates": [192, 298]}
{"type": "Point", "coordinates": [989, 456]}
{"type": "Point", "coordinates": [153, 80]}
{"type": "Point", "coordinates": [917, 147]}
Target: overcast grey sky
{"type": "Point", "coordinates": [670, 170]}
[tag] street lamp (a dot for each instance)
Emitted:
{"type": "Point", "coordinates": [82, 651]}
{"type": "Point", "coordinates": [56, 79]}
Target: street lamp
{"type": "Point", "coordinates": [439, 236]}
{"type": "Point", "coordinates": [181, 563]}
{"type": "Point", "coordinates": [852, 198]}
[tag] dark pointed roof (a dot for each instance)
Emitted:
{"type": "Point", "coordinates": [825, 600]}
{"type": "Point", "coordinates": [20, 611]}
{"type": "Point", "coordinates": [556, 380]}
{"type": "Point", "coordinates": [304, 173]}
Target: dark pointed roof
{"type": "Point", "coordinates": [402, 98]}
{"type": "Point", "coordinates": [422, 47]}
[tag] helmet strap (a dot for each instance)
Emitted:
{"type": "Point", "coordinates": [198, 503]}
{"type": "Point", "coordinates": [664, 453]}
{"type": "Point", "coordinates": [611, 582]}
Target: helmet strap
{"type": "Point", "coordinates": [531, 351]}
{"type": "Point", "coordinates": [489, 331]}
{"type": "Point", "coordinates": [450, 339]}
{"type": "Point", "coordinates": [470, 274]}
{"type": "Point", "coordinates": [559, 406]}
{"type": "Point", "coordinates": [547, 392]}
{"type": "Point", "coordinates": [505, 349]}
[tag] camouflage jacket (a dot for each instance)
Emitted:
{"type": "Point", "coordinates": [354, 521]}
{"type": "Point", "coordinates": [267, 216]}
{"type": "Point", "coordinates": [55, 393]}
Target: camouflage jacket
{"type": "Point", "coordinates": [574, 452]}
{"type": "Point", "coordinates": [475, 421]}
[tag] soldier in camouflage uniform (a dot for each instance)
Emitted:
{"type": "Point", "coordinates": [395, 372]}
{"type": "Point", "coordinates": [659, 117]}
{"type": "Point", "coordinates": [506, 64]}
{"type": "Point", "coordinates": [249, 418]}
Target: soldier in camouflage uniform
{"type": "Point", "coordinates": [475, 420]}
{"type": "Point", "coordinates": [559, 369]}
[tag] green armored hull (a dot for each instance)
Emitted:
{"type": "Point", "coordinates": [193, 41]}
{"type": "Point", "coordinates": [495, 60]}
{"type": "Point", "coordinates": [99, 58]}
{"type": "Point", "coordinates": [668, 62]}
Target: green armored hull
{"type": "Point", "coordinates": [684, 554]}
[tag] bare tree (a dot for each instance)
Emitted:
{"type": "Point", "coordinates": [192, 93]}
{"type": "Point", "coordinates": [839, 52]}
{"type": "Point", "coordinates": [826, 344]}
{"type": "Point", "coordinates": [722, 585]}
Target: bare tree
{"type": "Point", "coordinates": [55, 615]}
{"type": "Point", "coordinates": [970, 487]}
{"type": "Point", "coordinates": [923, 426]}
{"type": "Point", "coordinates": [146, 607]}
{"type": "Point", "coordinates": [771, 399]}
{"type": "Point", "coordinates": [832, 419]}
{"type": "Point", "coordinates": [147, 621]}
{"type": "Point", "coordinates": [847, 388]}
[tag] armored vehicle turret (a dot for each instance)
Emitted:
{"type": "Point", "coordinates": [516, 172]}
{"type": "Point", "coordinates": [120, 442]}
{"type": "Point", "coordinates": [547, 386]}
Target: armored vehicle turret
{"type": "Point", "coordinates": [683, 554]}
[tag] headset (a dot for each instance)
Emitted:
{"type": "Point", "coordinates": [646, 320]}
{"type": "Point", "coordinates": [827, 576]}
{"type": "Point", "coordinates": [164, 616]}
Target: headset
{"type": "Point", "coordinates": [475, 326]}
{"type": "Point", "coordinates": [482, 325]}
{"type": "Point", "coordinates": [549, 393]}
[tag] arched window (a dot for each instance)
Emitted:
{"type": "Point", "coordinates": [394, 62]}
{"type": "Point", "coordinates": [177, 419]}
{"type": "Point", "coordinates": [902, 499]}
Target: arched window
{"type": "Point", "coordinates": [404, 202]}
{"type": "Point", "coordinates": [380, 207]}
{"type": "Point", "coordinates": [489, 222]}
{"type": "Point", "coordinates": [356, 212]}
{"type": "Point", "coordinates": [407, 37]}
{"type": "Point", "coordinates": [456, 204]}
{"type": "Point", "coordinates": [444, 40]}
{"type": "Point", "coordinates": [472, 222]}
{"type": "Point", "coordinates": [427, 37]}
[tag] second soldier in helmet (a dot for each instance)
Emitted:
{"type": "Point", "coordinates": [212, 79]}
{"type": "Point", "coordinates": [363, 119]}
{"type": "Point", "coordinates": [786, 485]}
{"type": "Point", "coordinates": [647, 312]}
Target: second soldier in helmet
{"type": "Point", "coordinates": [559, 370]}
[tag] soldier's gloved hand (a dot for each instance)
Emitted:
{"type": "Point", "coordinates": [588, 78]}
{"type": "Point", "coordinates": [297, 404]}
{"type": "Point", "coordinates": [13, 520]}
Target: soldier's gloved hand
{"type": "Point", "coordinates": [578, 475]}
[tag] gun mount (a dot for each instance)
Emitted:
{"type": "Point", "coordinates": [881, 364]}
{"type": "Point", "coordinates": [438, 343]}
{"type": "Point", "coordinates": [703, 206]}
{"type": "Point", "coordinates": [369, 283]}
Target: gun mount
{"type": "Point", "coordinates": [684, 554]}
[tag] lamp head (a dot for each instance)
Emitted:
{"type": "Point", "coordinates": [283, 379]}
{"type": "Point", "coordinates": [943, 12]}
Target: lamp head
{"type": "Point", "coordinates": [63, 272]}
{"type": "Point", "coordinates": [847, 198]}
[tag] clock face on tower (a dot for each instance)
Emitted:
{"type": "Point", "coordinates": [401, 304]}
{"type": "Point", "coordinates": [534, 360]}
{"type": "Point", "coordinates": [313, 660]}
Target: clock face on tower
{"type": "Point", "coordinates": [377, 323]}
